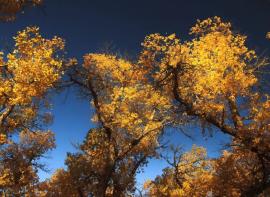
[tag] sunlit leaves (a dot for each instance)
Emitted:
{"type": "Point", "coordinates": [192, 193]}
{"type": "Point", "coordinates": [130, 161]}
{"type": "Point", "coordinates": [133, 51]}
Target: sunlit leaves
{"type": "Point", "coordinates": [211, 78]}
{"type": "Point", "coordinates": [189, 176]}
{"type": "Point", "coordinates": [125, 97]}
{"type": "Point", "coordinates": [19, 161]}
{"type": "Point", "coordinates": [26, 74]}
{"type": "Point", "coordinates": [215, 64]}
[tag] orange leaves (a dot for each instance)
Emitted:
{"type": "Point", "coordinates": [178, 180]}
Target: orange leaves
{"type": "Point", "coordinates": [35, 55]}
{"type": "Point", "coordinates": [190, 176]}
{"type": "Point", "coordinates": [213, 76]}
{"type": "Point", "coordinates": [99, 151]}
{"type": "Point", "coordinates": [129, 112]}
{"type": "Point", "coordinates": [19, 160]}
{"type": "Point", "coordinates": [164, 50]}
{"type": "Point", "coordinates": [38, 56]}
{"type": "Point", "coordinates": [235, 172]}
{"type": "Point", "coordinates": [26, 75]}
{"type": "Point", "coordinates": [59, 184]}
{"type": "Point", "coordinates": [214, 24]}
{"type": "Point", "coordinates": [40, 140]}
{"type": "Point", "coordinates": [119, 70]}
{"type": "Point", "coordinates": [210, 77]}
{"type": "Point", "coordinates": [215, 63]}
{"type": "Point", "coordinates": [126, 97]}
{"type": "Point", "coordinates": [203, 72]}
{"type": "Point", "coordinates": [220, 65]}
{"type": "Point", "coordinates": [3, 139]}
{"type": "Point", "coordinates": [195, 175]}
{"type": "Point", "coordinates": [5, 179]}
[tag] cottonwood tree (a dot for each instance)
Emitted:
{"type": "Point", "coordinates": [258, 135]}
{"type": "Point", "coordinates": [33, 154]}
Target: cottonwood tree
{"type": "Point", "coordinates": [240, 172]}
{"type": "Point", "coordinates": [60, 184]}
{"type": "Point", "coordinates": [26, 76]}
{"type": "Point", "coordinates": [129, 125]}
{"type": "Point", "coordinates": [88, 171]}
{"type": "Point", "coordinates": [19, 163]}
{"type": "Point", "coordinates": [211, 78]}
{"type": "Point", "coordinates": [235, 173]}
{"type": "Point", "coordinates": [188, 174]}
{"type": "Point", "coordinates": [97, 170]}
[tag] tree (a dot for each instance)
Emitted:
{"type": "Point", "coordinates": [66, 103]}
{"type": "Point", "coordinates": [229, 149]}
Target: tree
{"type": "Point", "coordinates": [59, 184]}
{"type": "Point", "coordinates": [19, 162]}
{"type": "Point", "coordinates": [240, 172]}
{"type": "Point", "coordinates": [190, 174]}
{"type": "Point", "coordinates": [212, 79]}
{"type": "Point", "coordinates": [26, 76]}
{"type": "Point", "coordinates": [98, 170]}
{"type": "Point", "coordinates": [126, 112]}
{"type": "Point", "coordinates": [236, 173]}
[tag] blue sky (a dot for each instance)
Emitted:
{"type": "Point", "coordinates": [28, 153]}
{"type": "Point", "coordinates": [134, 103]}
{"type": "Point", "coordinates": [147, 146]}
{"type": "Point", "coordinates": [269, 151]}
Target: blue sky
{"type": "Point", "coordinates": [87, 25]}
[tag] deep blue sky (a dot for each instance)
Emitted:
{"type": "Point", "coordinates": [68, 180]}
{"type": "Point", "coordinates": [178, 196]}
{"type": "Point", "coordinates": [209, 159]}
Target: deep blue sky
{"type": "Point", "coordinates": [87, 24]}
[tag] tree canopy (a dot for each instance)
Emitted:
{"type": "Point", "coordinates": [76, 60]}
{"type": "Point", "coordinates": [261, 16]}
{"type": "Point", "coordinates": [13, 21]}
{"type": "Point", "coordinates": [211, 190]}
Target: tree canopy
{"type": "Point", "coordinates": [213, 79]}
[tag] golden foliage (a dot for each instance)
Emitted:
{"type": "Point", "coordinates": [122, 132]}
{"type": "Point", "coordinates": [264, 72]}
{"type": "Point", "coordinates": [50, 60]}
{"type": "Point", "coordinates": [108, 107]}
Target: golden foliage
{"type": "Point", "coordinates": [190, 176]}
{"type": "Point", "coordinates": [19, 161]}
{"type": "Point", "coordinates": [26, 75]}
{"type": "Point", "coordinates": [124, 98]}
{"type": "Point", "coordinates": [211, 77]}
{"type": "Point", "coordinates": [213, 65]}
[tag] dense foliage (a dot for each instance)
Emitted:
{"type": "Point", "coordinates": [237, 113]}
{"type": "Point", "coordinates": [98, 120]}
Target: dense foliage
{"type": "Point", "coordinates": [212, 79]}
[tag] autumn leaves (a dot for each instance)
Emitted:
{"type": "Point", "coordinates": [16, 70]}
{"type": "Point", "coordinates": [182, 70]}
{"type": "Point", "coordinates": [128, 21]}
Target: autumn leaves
{"type": "Point", "coordinates": [210, 78]}
{"type": "Point", "coordinates": [26, 75]}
